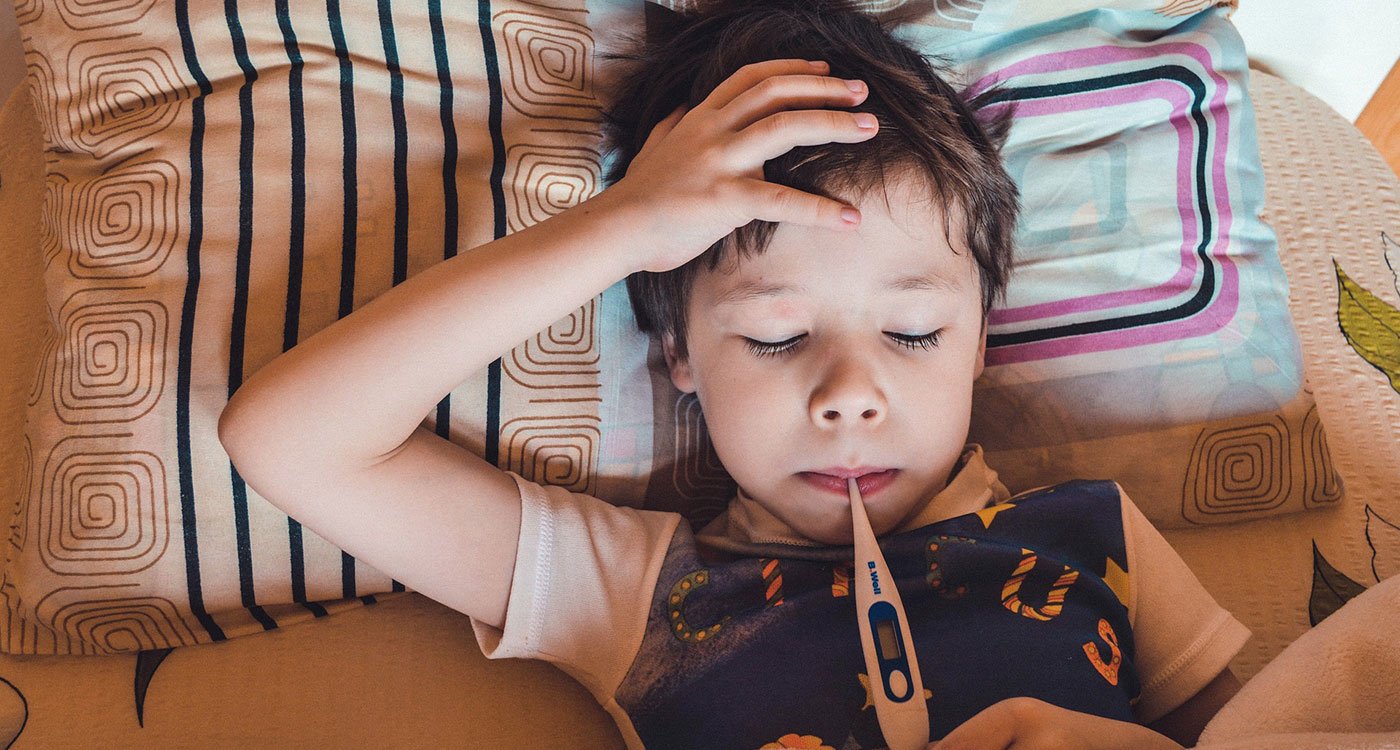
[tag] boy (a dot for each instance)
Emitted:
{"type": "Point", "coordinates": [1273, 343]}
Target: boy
{"type": "Point", "coordinates": [818, 348]}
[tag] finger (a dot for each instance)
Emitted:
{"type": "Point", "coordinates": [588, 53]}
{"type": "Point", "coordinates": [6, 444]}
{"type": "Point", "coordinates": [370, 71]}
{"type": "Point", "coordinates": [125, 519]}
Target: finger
{"type": "Point", "coordinates": [750, 75]}
{"type": "Point", "coordinates": [792, 91]}
{"type": "Point", "coordinates": [770, 201]}
{"type": "Point", "coordinates": [660, 130]}
{"type": "Point", "coordinates": [992, 728]}
{"type": "Point", "coordinates": [780, 132]}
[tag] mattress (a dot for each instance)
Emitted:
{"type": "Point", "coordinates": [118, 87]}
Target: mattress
{"type": "Point", "coordinates": [406, 671]}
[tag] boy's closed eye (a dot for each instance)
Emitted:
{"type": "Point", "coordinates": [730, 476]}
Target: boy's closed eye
{"type": "Point", "coordinates": [906, 340]}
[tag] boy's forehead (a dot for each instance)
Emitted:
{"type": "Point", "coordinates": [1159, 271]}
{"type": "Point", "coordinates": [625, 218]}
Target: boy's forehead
{"type": "Point", "coordinates": [901, 247]}
{"type": "Point", "coordinates": [799, 268]}
{"type": "Point", "coordinates": [740, 289]}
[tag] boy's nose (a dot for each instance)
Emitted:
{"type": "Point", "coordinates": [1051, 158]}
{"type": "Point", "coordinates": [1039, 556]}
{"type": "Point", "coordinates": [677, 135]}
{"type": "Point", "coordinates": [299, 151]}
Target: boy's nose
{"type": "Point", "coordinates": [847, 398]}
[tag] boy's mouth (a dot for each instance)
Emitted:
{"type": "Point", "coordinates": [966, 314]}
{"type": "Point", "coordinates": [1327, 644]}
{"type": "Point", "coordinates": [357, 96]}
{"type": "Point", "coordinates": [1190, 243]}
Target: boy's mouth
{"type": "Point", "coordinates": [869, 482]}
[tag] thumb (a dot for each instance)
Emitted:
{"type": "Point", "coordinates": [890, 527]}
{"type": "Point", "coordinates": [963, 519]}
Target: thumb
{"type": "Point", "coordinates": [661, 129]}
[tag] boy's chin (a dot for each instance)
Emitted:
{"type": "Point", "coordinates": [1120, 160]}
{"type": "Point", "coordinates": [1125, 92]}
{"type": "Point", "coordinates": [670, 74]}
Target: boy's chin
{"type": "Point", "coordinates": [831, 540]}
{"type": "Point", "coordinates": [835, 536]}
{"type": "Point", "coordinates": [838, 530]}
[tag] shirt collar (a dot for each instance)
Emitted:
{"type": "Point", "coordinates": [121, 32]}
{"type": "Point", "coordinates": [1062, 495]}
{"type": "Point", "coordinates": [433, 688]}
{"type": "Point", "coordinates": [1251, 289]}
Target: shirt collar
{"type": "Point", "coordinates": [746, 527]}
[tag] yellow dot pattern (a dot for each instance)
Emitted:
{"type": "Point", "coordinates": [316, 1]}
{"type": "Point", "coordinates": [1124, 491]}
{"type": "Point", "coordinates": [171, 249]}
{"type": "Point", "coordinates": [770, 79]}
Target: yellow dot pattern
{"type": "Point", "coordinates": [679, 628]}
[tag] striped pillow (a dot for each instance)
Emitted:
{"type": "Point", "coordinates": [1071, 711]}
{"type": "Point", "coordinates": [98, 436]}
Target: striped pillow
{"type": "Point", "coordinates": [222, 182]}
{"type": "Point", "coordinates": [1146, 337]}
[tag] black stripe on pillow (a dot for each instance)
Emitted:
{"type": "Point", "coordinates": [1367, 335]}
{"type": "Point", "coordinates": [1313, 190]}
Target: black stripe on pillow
{"type": "Point", "coordinates": [449, 131]}
{"type": "Point", "coordinates": [498, 204]}
{"type": "Point", "coordinates": [296, 261]}
{"type": "Point", "coordinates": [349, 214]}
{"type": "Point", "coordinates": [443, 419]}
{"type": "Point", "coordinates": [391, 59]}
{"type": "Point", "coordinates": [244, 260]}
{"type": "Point", "coordinates": [187, 315]}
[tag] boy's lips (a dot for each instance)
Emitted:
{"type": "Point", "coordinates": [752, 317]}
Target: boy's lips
{"type": "Point", "coordinates": [869, 483]}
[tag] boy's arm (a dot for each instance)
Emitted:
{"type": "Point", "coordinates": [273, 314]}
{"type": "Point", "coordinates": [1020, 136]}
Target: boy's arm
{"type": "Point", "coordinates": [1185, 723]}
{"type": "Point", "coordinates": [352, 393]}
{"type": "Point", "coordinates": [329, 431]}
{"type": "Point", "coordinates": [1185, 639]}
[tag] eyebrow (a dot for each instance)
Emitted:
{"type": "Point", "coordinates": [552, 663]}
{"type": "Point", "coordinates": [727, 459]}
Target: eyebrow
{"type": "Point", "coordinates": [753, 290]}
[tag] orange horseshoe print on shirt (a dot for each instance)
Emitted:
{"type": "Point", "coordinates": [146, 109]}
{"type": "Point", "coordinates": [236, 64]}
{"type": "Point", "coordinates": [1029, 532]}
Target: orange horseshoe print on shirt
{"type": "Point", "coordinates": [1054, 601]}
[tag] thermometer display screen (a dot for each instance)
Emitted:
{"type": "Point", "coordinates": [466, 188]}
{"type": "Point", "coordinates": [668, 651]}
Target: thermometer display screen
{"type": "Point", "coordinates": [890, 647]}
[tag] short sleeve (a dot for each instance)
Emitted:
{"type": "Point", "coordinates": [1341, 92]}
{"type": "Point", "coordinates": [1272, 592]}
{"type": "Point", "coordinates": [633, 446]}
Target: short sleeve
{"type": "Point", "coordinates": [1184, 638]}
{"type": "Point", "coordinates": [584, 574]}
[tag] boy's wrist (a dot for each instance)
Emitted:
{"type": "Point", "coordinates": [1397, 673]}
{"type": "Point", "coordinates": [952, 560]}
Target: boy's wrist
{"type": "Point", "coordinates": [625, 225]}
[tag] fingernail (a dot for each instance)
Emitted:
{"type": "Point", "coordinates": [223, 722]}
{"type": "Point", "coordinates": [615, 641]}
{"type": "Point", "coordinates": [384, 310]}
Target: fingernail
{"type": "Point", "coordinates": [856, 86]}
{"type": "Point", "coordinates": [818, 64]}
{"type": "Point", "coordinates": [865, 120]}
{"type": "Point", "coordinates": [850, 215]}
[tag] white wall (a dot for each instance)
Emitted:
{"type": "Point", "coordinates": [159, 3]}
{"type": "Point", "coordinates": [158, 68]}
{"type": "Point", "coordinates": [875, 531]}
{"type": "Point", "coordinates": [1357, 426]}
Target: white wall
{"type": "Point", "coordinates": [1338, 50]}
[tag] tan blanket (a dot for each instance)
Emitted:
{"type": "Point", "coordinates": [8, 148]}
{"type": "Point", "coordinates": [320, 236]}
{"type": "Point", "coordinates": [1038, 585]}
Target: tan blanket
{"type": "Point", "coordinates": [1336, 686]}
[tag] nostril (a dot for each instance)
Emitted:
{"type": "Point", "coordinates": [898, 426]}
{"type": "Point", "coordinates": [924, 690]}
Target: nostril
{"type": "Point", "coordinates": [867, 414]}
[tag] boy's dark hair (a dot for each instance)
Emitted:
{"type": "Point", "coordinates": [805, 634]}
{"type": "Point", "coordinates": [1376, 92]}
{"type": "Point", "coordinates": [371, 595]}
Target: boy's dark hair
{"type": "Point", "coordinates": [928, 129]}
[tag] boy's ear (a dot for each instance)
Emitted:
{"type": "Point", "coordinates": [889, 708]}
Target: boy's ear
{"type": "Point", "coordinates": [678, 368]}
{"type": "Point", "coordinates": [981, 351]}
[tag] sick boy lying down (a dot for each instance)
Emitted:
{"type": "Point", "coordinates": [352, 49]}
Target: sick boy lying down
{"type": "Point", "coordinates": [814, 224]}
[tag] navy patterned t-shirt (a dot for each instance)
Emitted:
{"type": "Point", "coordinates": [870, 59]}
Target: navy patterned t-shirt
{"type": "Point", "coordinates": [1025, 598]}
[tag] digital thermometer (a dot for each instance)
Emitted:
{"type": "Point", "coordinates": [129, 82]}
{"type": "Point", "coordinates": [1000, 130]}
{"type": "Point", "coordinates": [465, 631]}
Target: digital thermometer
{"type": "Point", "coordinates": [895, 685]}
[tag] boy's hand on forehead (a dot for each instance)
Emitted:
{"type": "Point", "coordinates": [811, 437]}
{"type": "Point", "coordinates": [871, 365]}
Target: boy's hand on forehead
{"type": "Point", "coordinates": [700, 172]}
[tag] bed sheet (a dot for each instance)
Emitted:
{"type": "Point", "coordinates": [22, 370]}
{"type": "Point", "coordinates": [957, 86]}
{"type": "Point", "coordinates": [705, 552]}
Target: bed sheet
{"type": "Point", "coordinates": [1335, 206]}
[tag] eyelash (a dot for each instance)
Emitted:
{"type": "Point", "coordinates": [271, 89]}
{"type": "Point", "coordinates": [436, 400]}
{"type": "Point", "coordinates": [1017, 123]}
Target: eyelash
{"type": "Point", "coordinates": [926, 341]}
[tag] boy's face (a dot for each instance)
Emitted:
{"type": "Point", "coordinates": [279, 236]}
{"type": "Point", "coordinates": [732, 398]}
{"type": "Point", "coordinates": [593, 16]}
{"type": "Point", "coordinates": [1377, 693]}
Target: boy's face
{"type": "Point", "coordinates": [847, 394]}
